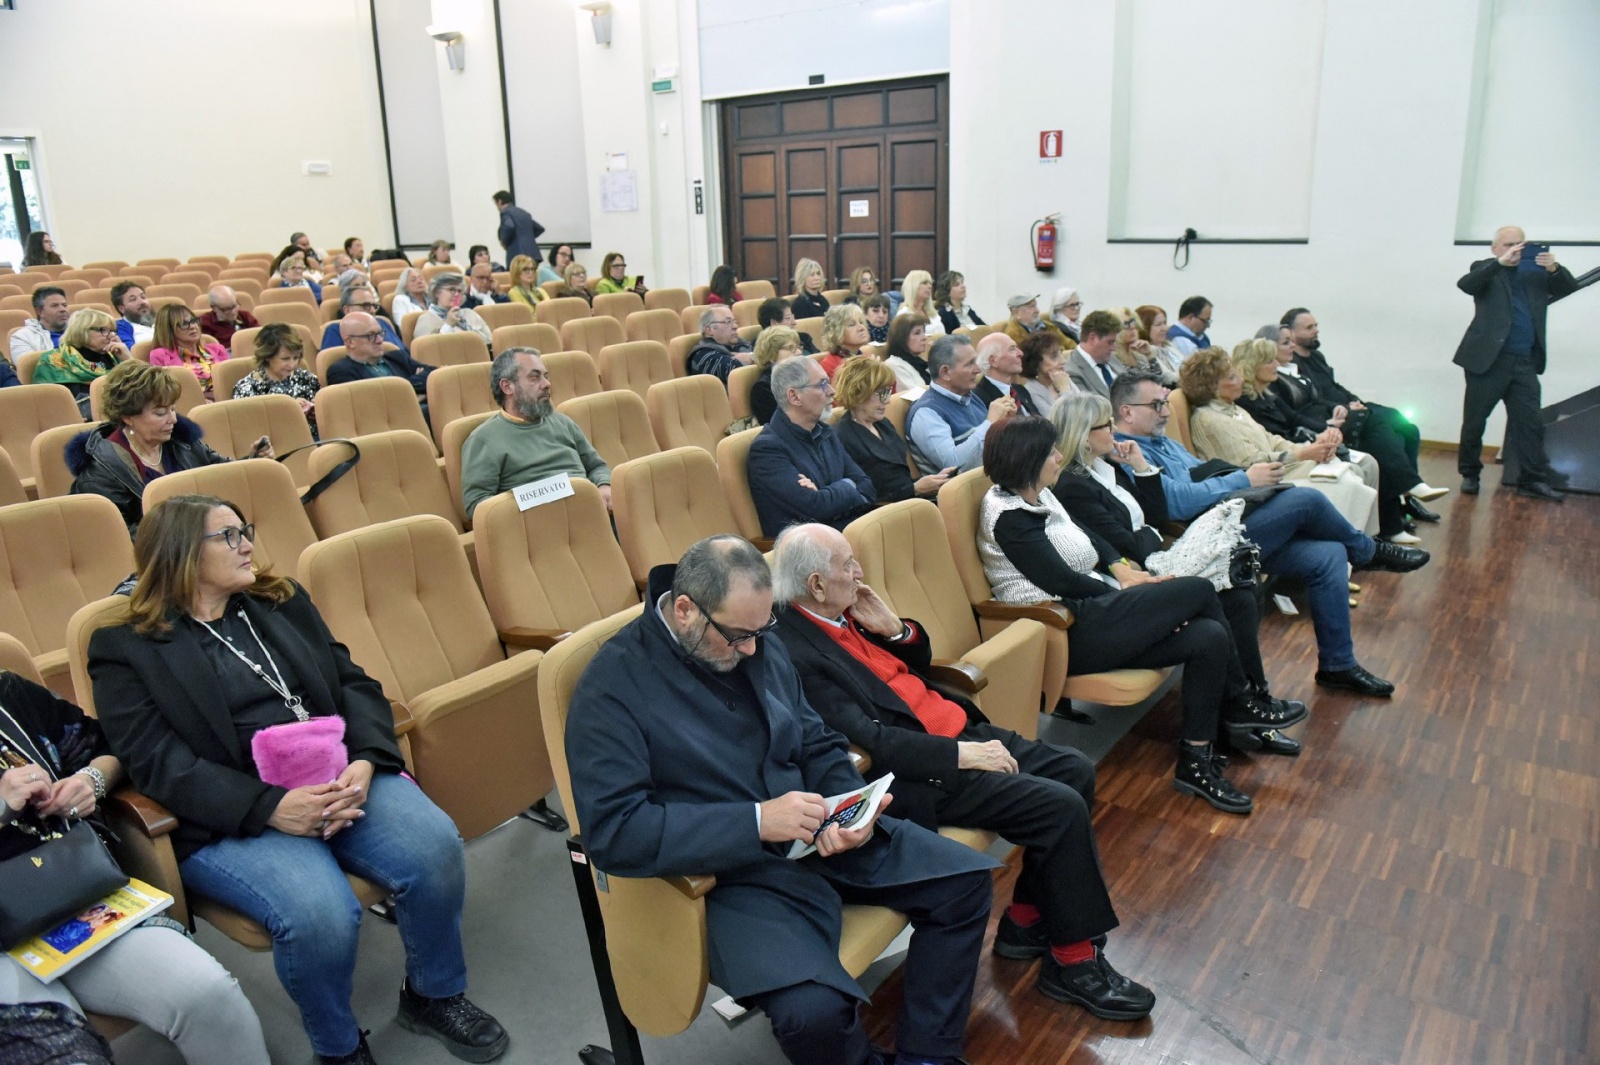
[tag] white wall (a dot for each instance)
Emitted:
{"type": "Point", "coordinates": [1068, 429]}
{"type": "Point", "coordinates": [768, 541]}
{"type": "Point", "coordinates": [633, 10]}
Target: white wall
{"type": "Point", "coordinates": [169, 128]}
{"type": "Point", "coordinates": [415, 122]}
{"type": "Point", "coordinates": [546, 121]}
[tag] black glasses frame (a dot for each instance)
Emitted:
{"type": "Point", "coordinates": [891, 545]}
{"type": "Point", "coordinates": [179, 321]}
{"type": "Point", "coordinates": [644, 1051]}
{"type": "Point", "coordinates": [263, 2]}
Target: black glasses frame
{"type": "Point", "coordinates": [734, 636]}
{"type": "Point", "coordinates": [232, 534]}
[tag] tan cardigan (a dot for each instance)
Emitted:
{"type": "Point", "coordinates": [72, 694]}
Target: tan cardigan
{"type": "Point", "coordinates": [1222, 430]}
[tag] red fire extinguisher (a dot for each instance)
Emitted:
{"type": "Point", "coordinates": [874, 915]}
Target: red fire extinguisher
{"type": "Point", "coordinates": [1043, 238]}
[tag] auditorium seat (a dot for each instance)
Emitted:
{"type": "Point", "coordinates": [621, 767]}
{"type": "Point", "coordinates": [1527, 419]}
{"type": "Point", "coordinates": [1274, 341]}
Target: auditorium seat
{"type": "Point", "coordinates": [225, 375]}
{"type": "Point", "coordinates": [219, 261]}
{"type": "Point", "coordinates": [27, 365]}
{"type": "Point", "coordinates": [300, 294]}
{"type": "Point", "coordinates": [93, 275]}
{"type": "Point", "coordinates": [744, 312]}
{"type": "Point", "coordinates": [571, 374]}
{"type": "Point", "coordinates": [615, 423]}
{"type": "Point", "coordinates": [678, 349]}
{"type": "Point", "coordinates": [617, 305]}
{"type": "Point", "coordinates": [689, 317]}
{"type": "Point", "coordinates": [408, 327]}
{"type": "Point", "coordinates": [668, 299]}
{"type": "Point", "coordinates": [591, 334]}
{"type": "Point", "coordinates": [248, 285]}
{"type": "Point", "coordinates": [450, 349]}
{"type": "Point", "coordinates": [70, 287]}
{"type": "Point", "coordinates": [22, 303]}
{"type": "Point", "coordinates": [12, 320]}
{"type": "Point", "coordinates": [1178, 419]}
{"type": "Point", "coordinates": [26, 411]}
{"type": "Point", "coordinates": [170, 264]}
{"type": "Point", "coordinates": [558, 312]}
{"type": "Point", "coordinates": [110, 266]}
{"type": "Point", "coordinates": [906, 558]}
{"type": "Point", "coordinates": [756, 290]}
{"type": "Point", "coordinates": [232, 426]}
{"type": "Point", "coordinates": [700, 292]}
{"type": "Point", "coordinates": [748, 333]}
{"type": "Point", "coordinates": [689, 411]}
{"type": "Point", "coordinates": [55, 556]}
{"type": "Point", "coordinates": [540, 336]}
{"type": "Point", "coordinates": [455, 437]}
{"type": "Point", "coordinates": [635, 365]}
{"type": "Point", "coordinates": [265, 493]}
{"type": "Point", "coordinates": [328, 310]}
{"type": "Point", "coordinates": [663, 503]}
{"type": "Point", "coordinates": [191, 393]}
{"type": "Point", "coordinates": [499, 315]}
{"type": "Point", "coordinates": [659, 325]}
{"type": "Point", "coordinates": [740, 382]}
{"type": "Point", "coordinates": [835, 296]}
{"type": "Point", "coordinates": [294, 313]}
{"type": "Point", "coordinates": [375, 405]}
{"type": "Point", "coordinates": [457, 391]}
{"type": "Point", "coordinates": [47, 454]}
{"type": "Point", "coordinates": [186, 291]}
{"type": "Point", "coordinates": [733, 459]}
{"type": "Point", "coordinates": [11, 490]}
{"type": "Point", "coordinates": [978, 332]}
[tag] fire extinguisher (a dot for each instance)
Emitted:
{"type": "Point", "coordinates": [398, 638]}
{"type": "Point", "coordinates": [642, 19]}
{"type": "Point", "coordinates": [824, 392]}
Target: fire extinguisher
{"type": "Point", "coordinates": [1043, 238]}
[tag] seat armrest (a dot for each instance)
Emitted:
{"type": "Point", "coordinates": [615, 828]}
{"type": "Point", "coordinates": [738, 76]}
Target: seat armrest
{"type": "Point", "coordinates": [693, 886]}
{"type": "Point", "coordinates": [964, 677]}
{"type": "Point", "coordinates": [1053, 615]}
{"type": "Point", "coordinates": [763, 543]}
{"type": "Point", "coordinates": [860, 759]}
{"type": "Point", "coordinates": [138, 809]}
{"type": "Point", "coordinates": [538, 639]}
{"type": "Point", "coordinates": [403, 721]}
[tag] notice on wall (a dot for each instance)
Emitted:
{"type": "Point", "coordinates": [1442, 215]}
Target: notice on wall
{"type": "Point", "coordinates": [619, 191]}
{"type": "Point", "coordinates": [1050, 141]}
{"type": "Point", "coordinates": [858, 208]}
{"type": "Point", "coordinates": [546, 490]}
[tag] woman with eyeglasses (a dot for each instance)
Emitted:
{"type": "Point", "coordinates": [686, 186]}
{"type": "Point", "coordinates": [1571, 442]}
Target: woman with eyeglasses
{"type": "Point", "coordinates": [179, 342]}
{"type": "Point", "coordinates": [905, 350]}
{"type": "Point", "coordinates": [89, 349]}
{"type": "Point", "coordinates": [1066, 308]}
{"type": "Point", "coordinates": [863, 285]}
{"type": "Point", "coordinates": [863, 387]}
{"type": "Point", "coordinates": [143, 437]}
{"type": "Point", "coordinates": [773, 345]}
{"type": "Point", "coordinates": [281, 371]}
{"type": "Point", "coordinates": [614, 277]}
{"type": "Point", "coordinates": [292, 273]}
{"type": "Point", "coordinates": [554, 268]}
{"type": "Point", "coordinates": [575, 284]}
{"type": "Point", "coordinates": [233, 706]}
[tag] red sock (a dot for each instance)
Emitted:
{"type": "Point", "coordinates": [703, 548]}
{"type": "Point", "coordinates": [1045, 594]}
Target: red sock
{"type": "Point", "coordinates": [1023, 914]}
{"type": "Point", "coordinates": [1074, 953]}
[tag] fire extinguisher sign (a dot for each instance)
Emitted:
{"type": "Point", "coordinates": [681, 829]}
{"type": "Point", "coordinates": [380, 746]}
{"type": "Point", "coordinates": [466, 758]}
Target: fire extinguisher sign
{"type": "Point", "coordinates": [1049, 145]}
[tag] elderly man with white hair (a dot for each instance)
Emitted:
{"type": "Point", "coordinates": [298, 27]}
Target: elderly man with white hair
{"type": "Point", "coordinates": [865, 671]}
{"type": "Point", "coordinates": [446, 313]}
{"type": "Point", "coordinates": [1000, 359]}
{"type": "Point", "coordinates": [799, 470]}
{"type": "Point", "coordinates": [225, 317]}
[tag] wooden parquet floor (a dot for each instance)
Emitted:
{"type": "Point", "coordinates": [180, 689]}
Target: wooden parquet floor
{"type": "Point", "coordinates": [1421, 886]}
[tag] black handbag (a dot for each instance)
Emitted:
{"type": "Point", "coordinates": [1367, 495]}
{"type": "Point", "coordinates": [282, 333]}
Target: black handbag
{"type": "Point", "coordinates": [1244, 565]}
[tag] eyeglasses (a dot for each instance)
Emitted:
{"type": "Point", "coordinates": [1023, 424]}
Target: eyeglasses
{"type": "Point", "coordinates": [1073, 304]}
{"type": "Point", "coordinates": [1102, 425]}
{"type": "Point", "coordinates": [1155, 404]}
{"type": "Point", "coordinates": [824, 384]}
{"type": "Point", "coordinates": [234, 535]}
{"type": "Point", "coordinates": [1130, 324]}
{"type": "Point", "coordinates": [368, 307]}
{"type": "Point", "coordinates": [884, 394]}
{"type": "Point", "coordinates": [102, 330]}
{"type": "Point", "coordinates": [1205, 323]}
{"type": "Point", "coordinates": [374, 337]}
{"type": "Point", "coordinates": [734, 636]}
{"type": "Point", "coordinates": [619, 266]}
{"type": "Point", "coordinates": [187, 322]}
{"type": "Point", "coordinates": [229, 309]}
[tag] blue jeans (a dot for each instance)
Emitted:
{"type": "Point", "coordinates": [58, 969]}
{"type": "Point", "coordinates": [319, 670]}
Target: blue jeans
{"type": "Point", "coordinates": [295, 887]}
{"type": "Point", "coordinates": [1301, 534]}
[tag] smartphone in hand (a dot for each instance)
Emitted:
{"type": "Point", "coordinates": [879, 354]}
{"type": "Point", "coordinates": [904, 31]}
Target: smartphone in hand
{"type": "Point", "coordinates": [1530, 256]}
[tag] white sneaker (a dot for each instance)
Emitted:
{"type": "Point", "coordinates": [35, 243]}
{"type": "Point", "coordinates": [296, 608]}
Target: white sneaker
{"type": "Point", "coordinates": [1425, 491]}
{"type": "Point", "coordinates": [1403, 538]}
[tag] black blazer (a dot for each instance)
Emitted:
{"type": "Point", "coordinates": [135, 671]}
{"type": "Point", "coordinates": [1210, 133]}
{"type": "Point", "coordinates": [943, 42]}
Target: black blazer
{"type": "Point", "coordinates": [1489, 285]}
{"type": "Point", "coordinates": [988, 392]}
{"type": "Point", "coordinates": [881, 457]}
{"type": "Point", "coordinates": [1318, 375]}
{"type": "Point", "coordinates": [164, 711]}
{"type": "Point", "coordinates": [1095, 509]}
{"type": "Point", "coordinates": [1302, 400]}
{"type": "Point", "coordinates": [401, 365]}
{"type": "Point", "coordinates": [853, 701]}
{"type": "Point", "coordinates": [1278, 417]}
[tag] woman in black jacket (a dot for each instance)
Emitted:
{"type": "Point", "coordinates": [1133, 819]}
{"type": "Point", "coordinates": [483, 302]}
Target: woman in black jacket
{"type": "Point", "coordinates": [863, 388]}
{"type": "Point", "coordinates": [232, 705]}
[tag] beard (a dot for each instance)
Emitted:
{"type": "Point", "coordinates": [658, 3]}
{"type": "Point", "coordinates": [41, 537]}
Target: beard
{"type": "Point", "coordinates": [1312, 345]}
{"type": "Point", "coordinates": [148, 318]}
{"type": "Point", "coordinates": [533, 410]}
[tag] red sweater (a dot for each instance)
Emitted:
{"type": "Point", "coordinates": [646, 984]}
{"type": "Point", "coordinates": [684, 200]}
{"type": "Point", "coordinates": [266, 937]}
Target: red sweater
{"type": "Point", "coordinates": [938, 715]}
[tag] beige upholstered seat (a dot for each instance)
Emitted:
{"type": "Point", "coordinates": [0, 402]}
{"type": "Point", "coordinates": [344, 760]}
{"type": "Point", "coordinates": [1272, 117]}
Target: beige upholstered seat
{"type": "Point", "coordinates": [358, 408]}
{"type": "Point", "coordinates": [263, 491]}
{"type": "Point", "coordinates": [227, 374]}
{"type": "Point", "coordinates": [635, 365]}
{"type": "Point", "coordinates": [906, 558]}
{"type": "Point", "coordinates": [243, 344]}
{"type": "Point", "coordinates": [665, 502]}
{"type": "Point", "coordinates": [669, 299]}
{"type": "Point", "coordinates": [401, 597]}
{"type": "Point", "coordinates": [454, 392]}
{"type": "Point", "coordinates": [500, 315]}
{"type": "Point", "coordinates": [756, 290]}
{"type": "Point", "coordinates": [539, 336]}
{"type": "Point", "coordinates": [744, 312]}
{"type": "Point", "coordinates": [300, 294]}
{"type": "Point", "coordinates": [558, 312]}
{"type": "Point", "coordinates": [408, 327]}
{"type": "Point", "coordinates": [455, 437]}
{"type": "Point", "coordinates": [291, 313]}
{"type": "Point", "coordinates": [591, 334]}
{"type": "Point", "coordinates": [11, 490]}
{"type": "Point", "coordinates": [571, 374]}
{"type": "Point", "coordinates": [233, 426]}
{"type": "Point", "coordinates": [618, 305]}
{"type": "Point", "coordinates": [690, 317]}
{"type": "Point", "coordinates": [56, 555]}
{"type": "Point", "coordinates": [188, 292]}
{"type": "Point", "coordinates": [835, 296]}
{"type": "Point", "coordinates": [740, 381]}
{"type": "Point", "coordinates": [397, 477]}
{"type": "Point", "coordinates": [678, 349]}
{"type": "Point", "coordinates": [26, 411]}
{"type": "Point", "coordinates": [659, 324]}
{"type": "Point", "coordinates": [689, 411]}
{"type": "Point", "coordinates": [51, 477]}
{"type": "Point", "coordinates": [1178, 419]}
{"type": "Point", "coordinates": [450, 349]}
{"type": "Point", "coordinates": [733, 459]}
{"type": "Point", "coordinates": [614, 422]}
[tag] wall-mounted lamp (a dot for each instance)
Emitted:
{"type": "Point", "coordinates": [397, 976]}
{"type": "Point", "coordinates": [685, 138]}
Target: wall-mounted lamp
{"type": "Point", "coordinates": [601, 21]}
{"type": "Point", "coordinates": [455, 50]}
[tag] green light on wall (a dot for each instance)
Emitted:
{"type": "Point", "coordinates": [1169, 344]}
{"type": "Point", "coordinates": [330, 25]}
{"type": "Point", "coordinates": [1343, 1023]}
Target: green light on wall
{"type": "Point", "coordinates": [1410, 416]}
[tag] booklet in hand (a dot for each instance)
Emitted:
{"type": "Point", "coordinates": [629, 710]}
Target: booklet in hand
{"type": "Point", "coordinates": [850, 809]}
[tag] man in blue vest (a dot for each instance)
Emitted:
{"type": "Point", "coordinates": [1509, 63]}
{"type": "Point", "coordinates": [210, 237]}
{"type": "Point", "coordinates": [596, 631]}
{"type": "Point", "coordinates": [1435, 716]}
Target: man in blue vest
{"type": "Point", "coordinates": [948, 424]}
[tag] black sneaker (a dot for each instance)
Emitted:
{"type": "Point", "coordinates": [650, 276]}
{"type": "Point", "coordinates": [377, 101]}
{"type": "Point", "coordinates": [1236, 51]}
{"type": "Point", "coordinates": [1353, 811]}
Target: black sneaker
{"type": "Point", "coordinates": [1199, 775]}
{"type": "Point", "coordinates": [465, 1030]}
{"type": "Point", "coordinates": [1013, 941]}
{"type": "Point", "coordinates": [362, 1055]}
{"type": "Point", "coordinates": [1469, 484]}
{"type": "Point", "coordinates": [1097, 987]}
{"type": "Point", "coordinates": [1395, 558]}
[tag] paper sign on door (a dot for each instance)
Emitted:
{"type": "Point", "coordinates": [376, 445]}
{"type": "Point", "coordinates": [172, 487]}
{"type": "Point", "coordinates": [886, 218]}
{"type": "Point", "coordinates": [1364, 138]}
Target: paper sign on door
{"type": "Point", "coordinates": [537, 493]}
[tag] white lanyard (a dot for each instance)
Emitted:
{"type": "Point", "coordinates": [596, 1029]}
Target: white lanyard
{"type": "Point", "coordinates": [293, 702]}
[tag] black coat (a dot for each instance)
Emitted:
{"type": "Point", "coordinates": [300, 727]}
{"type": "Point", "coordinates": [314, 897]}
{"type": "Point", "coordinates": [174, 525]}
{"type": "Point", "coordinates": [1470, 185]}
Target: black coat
{"type": "Point", "coordinates": [400, 363]}
{"type": "Point", "coordinates": [52, 728]}
{"type": "Point", "coordinates": [1277, 417]}
{"type": "Point", "coordinates": [988, 392]}
{"type": "Point", "coordinates": [519, 233]}
{"type": "Point", "coordinates": [101, 467]}
{"type": "Point", "coordinates": [806, 305]}
{"type": "Point", "coordinates": [881, 457]}
{"type": "Point", "coordinates": [1315, 371]}
{"type": "Point", "coordinates": [1301, 399]}
{"type": "Point", "coordinates": [1489, 285]}
{"type": "Point", "coordinates": [165, 713]}
{"type": "Point", "coordinates": [853, 701]}
{"type": "Point", "coordinates": [1094, 508]}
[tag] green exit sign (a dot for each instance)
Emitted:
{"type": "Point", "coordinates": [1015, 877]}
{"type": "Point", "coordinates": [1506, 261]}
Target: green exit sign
{"type": "Point", "coordinates": [663, 85]}
{"type": "Point", "coordinates": [20, 164]}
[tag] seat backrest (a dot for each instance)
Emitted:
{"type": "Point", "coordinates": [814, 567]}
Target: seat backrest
{"type": "Point", "coordinates": [408, 326]}
{"type": "Point", "coordinates": [450, 349]}
{"type": "Point", "coordinates": [835, 296]}
{"type": "Point", "coordinates": [11, 320]}
{"type": "Point", "coordinates": [748, 333]}
{"type": "Point", "coordinates": [293, 313]}
{"type": "Point", "coordinates": [191, 393]}
{"type": "Point", "coordinates": [219, 260]}
{"type": "Point", "coordinates": [187, 291]}
{"type": "Point", "coordinates": [618, 305]}
{"type": "Point", "coordinates": [634, 365]}
{"type": "Point", "coordinates": [227, 374]}
{"type": "Point", "coordinates": [243, 344]}
{"type": "Point", "coordinates": [689, 317]}
{"type": "Point", "coordinates": [500, 315]}
{"type": "Point", "coordinates": [591, 334]}
{"type": "Point", "coordinates": [84, 622]}
{"type": "Point", "coordinates": [669, 299]}
{"type": "Point", "coordinates": [558, 312]}
{"type": "Point", "coordinates": [397, 477]}
{"type": "Point", "coordinates": [1178, 414]}
{"type": "Point", "coordinates": [960, 499]}
{"type": "Point", "coordinates": [744, 312]}
{"type": "Point", "coordinates": [47, 454]}
{"type": "Point", "coordinates": [376, 405]}
{"type": "Point", "coordinates": [232, 426]}
{"type": "Point", "coordinates": [978, 332]}
{"type": "Point", "coordinates": [733, 458]}
{"type": "Point", "coordinates": [905, 557]}
{"type": "Point", "coordinates": [71, 286]}
{"type": "Point", "coordinates": [110, 266]}
{"type": "Point", "coordinates": [571, 374]}
{"type": "Point", "coordinates": [615, 423]}
{"type": "Point", "coordinates": [14, 658]}
{"type": "Point", "coordinates": [660, 324]}
{"type": "Point", "coordinates": [27, 365]}
{"type": "Point", "coordinates": [689, 411]}
{"type": "Point", "coordinates": [400, 596]}
{"type": "Point", "coordinates": [455, 437]}
{"type": "Point", "coordinates": [55, 556]}
{"type": "Point", "coordinates": [11, 490]}
{"type": "Point", "coordinates": [678, 349]}
{"type": "Point", "coordinates": [263, 491]}
{"type": "Point", "coordinates": [22, 302]}
{"type": "Point", "coordinates": [554, 566]}
{"type": "Point", "coordinates": [664, 503]}
{"type": "Point", "coordinates": [811, 327]}
{"type": "Point", "coordinates": [740, 381]}
{"type": "Point", "coordinates": [454, 392]}
{"type": "Point", "coordinates": [247, 285]}
{"type": "Point", "coordinates": [300, 294]}
{"type": "Point", "coordinates": [755, 290]}
{"type": "Point", "coordinates": [899, 407]}
{"type": "Point", "coordinates": [540, 336]}
{"type": "Point", "coordinates": [92, 274]}
{"type": "Point", "coordinates": [700, 292]}
{"type": "Point", "coordinates": [26, 411]}
{"type": "Point", "coordinates": [168, 263]}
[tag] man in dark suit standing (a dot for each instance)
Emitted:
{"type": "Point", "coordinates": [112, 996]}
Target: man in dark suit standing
{"type": "Point", "coordinates": [519, 233]}
{"type": "Point", "coordinates": [864, 670]}
{"type": "Point", "coordinates": [1503, 355]}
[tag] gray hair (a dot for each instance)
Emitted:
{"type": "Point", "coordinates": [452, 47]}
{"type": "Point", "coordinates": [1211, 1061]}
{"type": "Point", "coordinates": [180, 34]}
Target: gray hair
{"type": "Point", "coordinates": [945, 352]}
{"type": "Point", "coordinates": [1073, 415]}
{"type": "Point", "coordinates": [504, 368]}
{"type": "Point", "coordinates": [347, 296]}
{"type": "Point", "coordinates": [986, 350]}
{"type": "Point", "coordinates": [1125, 386]}
{"type": "Point", "coordinates": [707, 316]}
{"type": "Point", "coordinates": [707, 571]}
{"type": "Point", "coordinates": [795, 557]}
{"type": "Point", "coordinates": [215, 293]}
{"type": "Point", "coordinates": [790, 373]}
{"type": "Point", "coordinates": [443, 281]}
{"type": "Point", "coordinates": [1270, 332]}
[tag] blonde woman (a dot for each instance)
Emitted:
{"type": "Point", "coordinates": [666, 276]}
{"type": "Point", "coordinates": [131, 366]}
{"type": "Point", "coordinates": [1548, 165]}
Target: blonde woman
{"type": "Point", "coordinates": [525, 282]}
{"type": "Point", "coordinates": [89, 348]}
{"type": "Point", "coordinates": [179, 342]}
{"type": "Point", "coordinates": [1132, 350]}
{"type": "Point", "coordinates": [809, 302]}
{"type": "Point", "coordinates": [917, 293]}
{"type": "Point", "coordinates": [575, 284]}
{"type": "Point", "coordinates": [773, 345]}
{"type": "Point", "coordinates": [844, 334]}
{"type": "Point", "coordinates": [863, 388]}
{"type": "Point", "coordinates": [1222, 430]}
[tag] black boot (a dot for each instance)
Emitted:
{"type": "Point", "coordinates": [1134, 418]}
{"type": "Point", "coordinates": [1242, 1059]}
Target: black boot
{"type": "Point", "coordinates": [1198, 775]}
{"type": "Point", "coordinates": [1255, 709]}
{"type": "Point", "coordinates": [465, 1030]}
{"type": "Point", "coordinates": [1395, 558]}
{"type": "Point", "coordinates": [1414, 507]}
{"type": "Point", "coordinates": [361, 1055]}
{"type": "Point", "coordinates": [1283, 706]}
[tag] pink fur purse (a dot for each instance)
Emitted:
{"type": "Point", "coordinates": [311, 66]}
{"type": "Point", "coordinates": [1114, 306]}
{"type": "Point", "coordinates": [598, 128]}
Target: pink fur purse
{"type": "Point", "coordinates": [301, 753]}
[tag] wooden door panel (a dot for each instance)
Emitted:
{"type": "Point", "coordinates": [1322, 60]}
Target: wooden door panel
{"type": "Point", "coordinates": [859, 251]}
{"type": "Point", "coordinates": [858, 111]}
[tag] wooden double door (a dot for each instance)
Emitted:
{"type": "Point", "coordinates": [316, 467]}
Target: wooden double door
{"type": "Point", "coordinates": [851, 175]}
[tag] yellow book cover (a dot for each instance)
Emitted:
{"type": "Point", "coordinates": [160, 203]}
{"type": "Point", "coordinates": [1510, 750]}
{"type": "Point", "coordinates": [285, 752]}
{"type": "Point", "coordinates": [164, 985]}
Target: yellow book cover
{"type": "Point", "coordinates": [57, 951]}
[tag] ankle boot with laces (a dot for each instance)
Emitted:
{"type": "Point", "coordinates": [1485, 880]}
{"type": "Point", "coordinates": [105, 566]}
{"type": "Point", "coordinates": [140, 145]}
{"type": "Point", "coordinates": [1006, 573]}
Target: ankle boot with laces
{"type": "Point", "coordinates": [1200, 776]}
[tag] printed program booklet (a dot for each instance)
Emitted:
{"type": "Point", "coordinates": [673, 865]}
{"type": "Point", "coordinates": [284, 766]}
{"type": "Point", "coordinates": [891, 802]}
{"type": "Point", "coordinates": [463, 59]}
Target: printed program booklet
{"type": "Point", "coordinates": [848, 810]}
{"type": "Point", "coordinates": [55, 953]}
